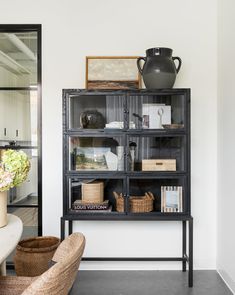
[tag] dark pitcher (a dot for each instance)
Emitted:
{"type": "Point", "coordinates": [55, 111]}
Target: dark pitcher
{"type": "Point", "coordinates": [159, 70]}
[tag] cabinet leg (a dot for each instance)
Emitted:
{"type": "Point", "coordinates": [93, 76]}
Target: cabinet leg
{"type": "Point", "coordinates": [62, 228]}
{"type": "Point", "coordinates": [70, 227]}
{"type": "Point", "coordinates": [190, 271]}
{"type": "Point", "coordinates": [184, 238]}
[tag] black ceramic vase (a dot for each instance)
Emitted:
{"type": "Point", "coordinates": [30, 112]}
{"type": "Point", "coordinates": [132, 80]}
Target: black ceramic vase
{"type": "Point", "coordinates": [159, 70]}
{"type": "Point", "coordinates": [92, 119]}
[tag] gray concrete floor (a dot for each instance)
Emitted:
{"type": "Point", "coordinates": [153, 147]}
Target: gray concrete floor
{"type": "Point", "coordinates": [206, 282]}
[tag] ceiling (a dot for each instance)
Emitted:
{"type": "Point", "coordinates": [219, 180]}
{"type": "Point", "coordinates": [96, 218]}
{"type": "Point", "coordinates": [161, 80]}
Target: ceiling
{"type": "Point", "coordinates": [18, 54]}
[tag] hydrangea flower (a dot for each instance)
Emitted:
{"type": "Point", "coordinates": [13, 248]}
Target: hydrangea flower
{"type": "Point", "coordinates": [15, 165]}
{"type": "Point", "coordinates": [6, 179]}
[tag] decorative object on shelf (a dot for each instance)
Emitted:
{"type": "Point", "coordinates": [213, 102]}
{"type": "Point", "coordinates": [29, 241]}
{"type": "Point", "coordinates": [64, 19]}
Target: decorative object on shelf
{"type": "Point", "coordinates": [155, 115]}
{"type": "Point", "coordinates": [14, 168]}
{"type": "Point", "coordinates": [112, 72]}
{"type": "Point", "coordinates": [120, 158]}
{"type": "Point", "coordinates": [173, 126]}
{"type": "Point", "coordinates": [93, 192]}
{"type": "Point", "coordinates": [91, 158]}
{"type": "Point", "coordinates": [159, 165]}
{"type": "Point", "coordinates": [159, 70]}
{"type": "Point", "coordinates": [119, 125]}
{"type": "Point", "coordinates": [112, 161]}
{"type": "Point", "coordinates": [171, 199]}
{"type": "Point", "coordinates": [92, 119]}
{"type": "Point", "coordinates": [138, 204]}
{"type": "Point", "coordinates": [115, 125]}
{"type": "Point", "coordinates": [145, 121]}
{"type": "Point", "coordinates": [160, 112]}
{"type": "Point", "coordinates": [132, 149]}
{"type": "Point", "coordinates": [132, 125]}
{"type": "Point", "coordinates": [138, 119]}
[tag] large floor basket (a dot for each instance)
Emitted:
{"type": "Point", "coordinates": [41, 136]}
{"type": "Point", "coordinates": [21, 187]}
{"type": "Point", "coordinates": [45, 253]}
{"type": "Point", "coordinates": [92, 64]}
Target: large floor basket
{"type": "Point", "coordinates": [34, 254]}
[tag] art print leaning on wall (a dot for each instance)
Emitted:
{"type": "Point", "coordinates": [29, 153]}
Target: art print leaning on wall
{"type": "Point", "coordinates": [112, 72]}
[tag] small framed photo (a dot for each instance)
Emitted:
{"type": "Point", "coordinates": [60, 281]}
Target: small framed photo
{"type": "Point", "coordinates": [112, 72]}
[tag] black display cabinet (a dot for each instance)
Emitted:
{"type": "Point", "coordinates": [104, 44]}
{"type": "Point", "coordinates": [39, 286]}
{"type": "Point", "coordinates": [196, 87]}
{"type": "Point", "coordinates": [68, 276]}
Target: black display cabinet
{"type": "Point", "coordinates": [133, 142]}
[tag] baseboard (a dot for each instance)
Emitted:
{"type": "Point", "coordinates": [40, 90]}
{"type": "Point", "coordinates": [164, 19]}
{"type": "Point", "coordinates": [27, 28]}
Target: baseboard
{"type": "Point", "coordinates": [130, 265]}
{"type": "Point", "coordinates": [136, 265]}
{"type": "Point", "coordinates": [228, 280]}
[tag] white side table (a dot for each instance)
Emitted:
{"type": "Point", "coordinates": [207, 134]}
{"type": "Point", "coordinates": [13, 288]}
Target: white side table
{"type": "Point", "coordinates": [9, 238]}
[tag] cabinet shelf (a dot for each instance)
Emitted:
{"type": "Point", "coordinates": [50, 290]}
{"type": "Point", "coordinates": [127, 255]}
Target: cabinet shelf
{"type": "Point", "coordinates": [118, 132]}
{"type": "Point", "coordinates": [130, 216]}
{"type": "Point", "coordinates": [131, 174]}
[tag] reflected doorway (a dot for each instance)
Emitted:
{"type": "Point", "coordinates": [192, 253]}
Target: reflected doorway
{"type": "Point", "coordinates": [20, 117]}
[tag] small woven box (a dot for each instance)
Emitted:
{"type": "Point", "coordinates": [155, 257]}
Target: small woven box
{"type": "Point", "coordinates": [93, 192]}
{"type": "Point", "coordinates": [139, 204]}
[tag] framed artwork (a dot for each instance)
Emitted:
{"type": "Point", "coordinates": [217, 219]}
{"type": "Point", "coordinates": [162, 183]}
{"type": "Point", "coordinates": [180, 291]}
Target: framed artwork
{"type": "Point", "coordinates": [112, 72]}
{"type": "Point", "coordinates": [91, 158]}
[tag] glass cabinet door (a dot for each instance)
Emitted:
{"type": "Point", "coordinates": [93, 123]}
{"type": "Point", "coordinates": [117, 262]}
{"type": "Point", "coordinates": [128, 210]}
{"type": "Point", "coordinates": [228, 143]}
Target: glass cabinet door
{"type": "Point", "coordinates": [96, 112]}
{"type": "Point", "coordinates": [97, 153]}
{"type": "Point", "coordinates": [157, 153]}
{"type": "Point", "coordinates": [156, 111]}
{"type": "Point", "coordinates": [94, 195]}
{"type": "Point", "coordinates": [168, 194]}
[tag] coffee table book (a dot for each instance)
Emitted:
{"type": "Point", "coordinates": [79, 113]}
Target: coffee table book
{"type": "Point", "coordinates": [80, 205]}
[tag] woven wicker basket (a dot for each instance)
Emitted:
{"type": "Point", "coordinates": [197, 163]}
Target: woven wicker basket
{"type": "Point", "coordinates": [33, 255]}
{"type": "Point", "coordinates": [137, 204]}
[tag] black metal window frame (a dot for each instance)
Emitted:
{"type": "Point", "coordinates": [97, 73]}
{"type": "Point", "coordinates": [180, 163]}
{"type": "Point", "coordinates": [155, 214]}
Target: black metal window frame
{"type": "Point", "coordinates": [23, 28]}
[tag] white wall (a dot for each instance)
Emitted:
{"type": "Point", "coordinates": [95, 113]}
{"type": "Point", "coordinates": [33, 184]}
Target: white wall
{"type": "Point", "coordinates": [226, 141]}
{"type": "Point", "coordinates": [73, 29]}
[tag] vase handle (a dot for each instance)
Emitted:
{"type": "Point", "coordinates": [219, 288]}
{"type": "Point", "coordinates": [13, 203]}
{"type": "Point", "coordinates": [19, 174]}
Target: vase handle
{"type": "Point", "coordinates": [138, 64]}
{"type": "Point", "coordinates": [179, 63]}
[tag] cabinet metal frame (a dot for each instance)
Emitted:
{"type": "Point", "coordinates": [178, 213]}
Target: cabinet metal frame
{"type": "Point", "coordinates": [187, 238]}
{"type": "Point", "coordinates": [184, 217]}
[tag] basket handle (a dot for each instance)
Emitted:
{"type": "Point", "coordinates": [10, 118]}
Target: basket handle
{"type": "Point", "coordinates": [150, 195]}
{"type": "Point", "coordinates": [147, 196]}
{"type": "Point", "coordinates": [117, 196]}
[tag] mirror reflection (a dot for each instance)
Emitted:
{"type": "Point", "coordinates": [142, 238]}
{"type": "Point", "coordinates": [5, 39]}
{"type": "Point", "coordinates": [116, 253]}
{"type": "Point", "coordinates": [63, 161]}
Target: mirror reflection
{"type": "Point", "coordinates": [19, 118]}
{"type": "Point", "coordinates": [18, 108]}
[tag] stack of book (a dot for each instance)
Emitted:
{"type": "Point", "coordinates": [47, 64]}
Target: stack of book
{"type": "Point", "coordinates": [171, 199]}
{"type": "Point", "coordinates": [81, 206]}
